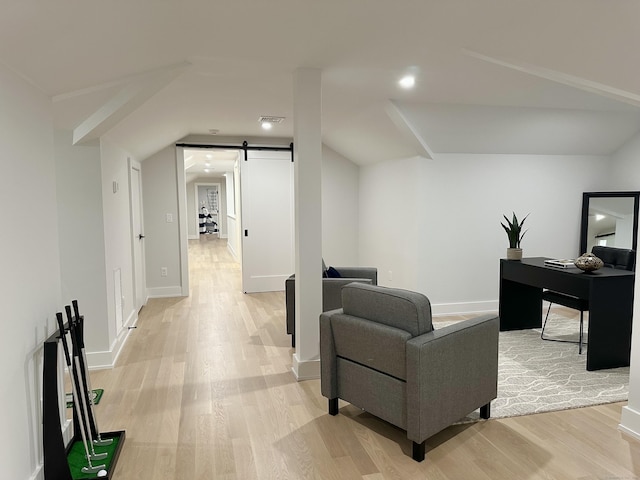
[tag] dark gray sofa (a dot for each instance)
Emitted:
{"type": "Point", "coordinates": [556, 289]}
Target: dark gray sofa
{"type": "Point", "coordinates": [331, 291]}
{"type": "Point", "coordinates": [380, 353]}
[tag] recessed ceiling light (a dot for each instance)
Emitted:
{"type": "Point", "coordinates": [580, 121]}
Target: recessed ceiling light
{"type": "Point", "coordinates": [207, 164]}
{"type": "Point", "coordinates": [599, 217]}
{"type": "Point", "coordinates": [206, 170]}
{"type": "Point", "coordinates": [407, 82]}
{"type": "Point", "coordinates": [267, 125]}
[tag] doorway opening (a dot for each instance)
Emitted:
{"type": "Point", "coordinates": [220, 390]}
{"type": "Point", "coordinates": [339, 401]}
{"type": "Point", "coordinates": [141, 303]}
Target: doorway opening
{"type": "Point", "coordinates": [244, 195]}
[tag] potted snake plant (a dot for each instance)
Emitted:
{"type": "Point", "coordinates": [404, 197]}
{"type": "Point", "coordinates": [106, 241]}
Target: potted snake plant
{"type": "Point", "coordinates": [515, 234]}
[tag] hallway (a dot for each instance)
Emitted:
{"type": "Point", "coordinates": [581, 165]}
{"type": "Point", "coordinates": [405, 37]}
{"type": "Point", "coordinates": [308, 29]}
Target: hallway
{"type": "Point", "coordinates": [204, 390]}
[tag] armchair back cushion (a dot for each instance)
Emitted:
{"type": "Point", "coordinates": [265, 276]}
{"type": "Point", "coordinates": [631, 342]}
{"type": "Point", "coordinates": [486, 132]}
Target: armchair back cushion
{"type": "Point", "coordinates": [403, 309]}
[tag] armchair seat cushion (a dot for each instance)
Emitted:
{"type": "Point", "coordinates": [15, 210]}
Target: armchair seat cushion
{"type": "Point", "coordinates": [374, 345]}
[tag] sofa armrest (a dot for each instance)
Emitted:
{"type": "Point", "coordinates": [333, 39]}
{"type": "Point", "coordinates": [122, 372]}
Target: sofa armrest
{"type": "Point", "coordinates": [451, 372]}
{"type": "Point", "coordinates": [290, 303]}
{"type": "Point", "coordinates": [359, 272]}
{"type": "Point", "coordinates": [328, 357]}
{"type": "Point", "coordinates": [332, 291]}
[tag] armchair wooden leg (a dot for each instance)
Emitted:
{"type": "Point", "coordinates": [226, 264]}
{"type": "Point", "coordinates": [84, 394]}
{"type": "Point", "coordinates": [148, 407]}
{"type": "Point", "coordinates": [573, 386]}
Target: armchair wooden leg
{"type": "Point", "coordinates": [485, 411]}
{"type": "Point", "coordinates": [333, 406]}
{"type": "Point", "coordinates": [418, 451]}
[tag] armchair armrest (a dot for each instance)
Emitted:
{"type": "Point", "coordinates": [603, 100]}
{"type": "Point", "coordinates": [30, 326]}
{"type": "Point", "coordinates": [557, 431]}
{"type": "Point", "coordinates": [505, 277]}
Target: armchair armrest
{"type": "Point", "coordinates": [359, 272]}
{"type": "Point", "coordinates": [451, 372]}
{"type": "Point", "coordinates": [290, 303]}
{"type": "Point", "coordinates": [328, 358]}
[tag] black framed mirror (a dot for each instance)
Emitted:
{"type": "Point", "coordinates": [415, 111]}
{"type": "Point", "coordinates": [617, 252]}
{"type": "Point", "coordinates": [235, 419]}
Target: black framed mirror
{"type": "Point", "coordinates": [610, 219]}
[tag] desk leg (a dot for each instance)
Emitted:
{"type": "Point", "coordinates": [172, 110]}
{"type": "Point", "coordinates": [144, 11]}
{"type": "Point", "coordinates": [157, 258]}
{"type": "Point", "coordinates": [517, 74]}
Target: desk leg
{"type": "Point", "coordinates": [520, 306]}
{"type": "Point", "coordinates": [610, 317]}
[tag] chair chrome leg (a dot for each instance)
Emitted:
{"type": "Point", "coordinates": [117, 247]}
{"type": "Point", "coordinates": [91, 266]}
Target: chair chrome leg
{"type": "Point", "coordinates": [545, 322]}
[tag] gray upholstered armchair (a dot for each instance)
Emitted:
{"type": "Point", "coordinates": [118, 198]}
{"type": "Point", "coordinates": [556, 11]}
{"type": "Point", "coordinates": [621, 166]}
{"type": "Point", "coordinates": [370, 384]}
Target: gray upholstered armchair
{"type": "Point", "coordinates": [381, 353]}
{"type": "Point", "coordinates": [331, 291]}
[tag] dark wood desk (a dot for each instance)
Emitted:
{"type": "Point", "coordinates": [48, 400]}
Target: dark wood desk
{"type": "Point", "coordinates": [609, 292]}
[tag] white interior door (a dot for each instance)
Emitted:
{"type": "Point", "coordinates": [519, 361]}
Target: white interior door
{"type": "Point", "coordinates": [266, 183]}
{"type": "Point", "coordinates": [137, 231]}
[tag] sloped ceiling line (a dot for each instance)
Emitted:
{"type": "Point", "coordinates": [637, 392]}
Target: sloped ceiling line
{"type": "Point", "coordinates": [127, 100]}
{"type": "Point", "coordinates": [407, 128]}
{"type": "Point", "coordinates": [563, 78]}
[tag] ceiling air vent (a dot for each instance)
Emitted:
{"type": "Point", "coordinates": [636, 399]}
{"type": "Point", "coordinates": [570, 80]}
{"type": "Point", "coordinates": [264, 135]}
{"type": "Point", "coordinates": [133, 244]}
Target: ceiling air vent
{"type": "Point", "coordinates": [270, 119]}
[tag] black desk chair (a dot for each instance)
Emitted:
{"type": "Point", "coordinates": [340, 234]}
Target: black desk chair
{"type": "Point", "coordinates": [621, 258]}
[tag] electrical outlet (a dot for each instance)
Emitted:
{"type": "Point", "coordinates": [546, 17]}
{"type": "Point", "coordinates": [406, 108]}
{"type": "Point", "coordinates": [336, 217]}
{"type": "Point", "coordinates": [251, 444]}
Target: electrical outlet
{"type": "Point", "coordinates": [169, 217]}
{"type": "Point", "coordinates": [163, 272]}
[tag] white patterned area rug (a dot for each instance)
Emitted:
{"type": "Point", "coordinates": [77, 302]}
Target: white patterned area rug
{"type": "Point", "coordinates": [536, 376]}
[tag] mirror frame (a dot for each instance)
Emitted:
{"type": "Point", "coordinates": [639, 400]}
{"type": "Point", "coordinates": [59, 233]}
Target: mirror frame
{"type": "Point", "coordinates": [586, 196]}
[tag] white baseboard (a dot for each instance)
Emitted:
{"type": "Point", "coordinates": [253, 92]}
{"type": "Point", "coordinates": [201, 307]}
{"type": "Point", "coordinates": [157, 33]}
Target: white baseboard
{"type": "Point", "coordinates": [630, 422]}
{"type": "Point", "coordinates": [464, 308]}
{"type": "Point", "coordinates": [162, 292]}
{"type": "Point", "coordinates": [67, 435]}
{"type": "Point", "coordinates": [232, 252]}
{"type": "Point", "coordinates": [107, 359]}
{"type": "Point", "coordinates": [38, 473]}
{"type": "Point", "coordinates": [193, 237]}
{"type": "Point", "coordinates": [307, 370]}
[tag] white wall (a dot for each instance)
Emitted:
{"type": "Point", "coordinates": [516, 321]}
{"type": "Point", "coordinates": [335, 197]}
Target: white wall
{"type": "Point", "coordinates": [30, 283]}
{"type": "Point", "coordinates": [234, 220]}
{"type": "Point", "coordinates": [118, 246]}
{"type": "Point", "coordinates": [162, 242]}
{"type": "Point", "coordinates": [81, 233]}
{"type": "Point", "coordinates": [339, 210]}
{"type": "Point", "coordinates": [435, 224]}
{"type": "Point", "coordinates": [626, 176]}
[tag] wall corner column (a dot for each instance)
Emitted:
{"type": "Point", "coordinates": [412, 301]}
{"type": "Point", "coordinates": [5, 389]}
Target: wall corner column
{"type": "Point", "coordinates": [307, 152]}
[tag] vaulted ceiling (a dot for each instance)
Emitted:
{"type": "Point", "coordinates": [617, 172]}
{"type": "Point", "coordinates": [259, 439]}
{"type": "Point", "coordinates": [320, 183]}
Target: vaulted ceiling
{"type": "Point", "coordinates": [493, 76]}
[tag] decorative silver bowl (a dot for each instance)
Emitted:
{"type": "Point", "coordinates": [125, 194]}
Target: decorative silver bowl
{"type": "Point", "coordinates": [588, 262]}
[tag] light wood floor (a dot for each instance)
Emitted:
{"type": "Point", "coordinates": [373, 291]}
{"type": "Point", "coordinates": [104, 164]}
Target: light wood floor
{"type": "Point", "coordinates": [204, 390]}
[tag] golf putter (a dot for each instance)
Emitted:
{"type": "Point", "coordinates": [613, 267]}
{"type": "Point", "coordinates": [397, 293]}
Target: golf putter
{"type": "Point", "coordinates": [90, 468]}
{"type": "Point", "coordinates": [86, 379]}
{"type": "Point", "coordinates": [82, 393]}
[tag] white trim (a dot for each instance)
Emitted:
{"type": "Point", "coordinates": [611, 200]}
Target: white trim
{"type": "Point", "coordinates": [630, 422]}
{"type": "Point", "coordinates": [308, 370]}
{"type": "Point", "coordinates": [38, 473]}
{"type": "Point", "coordinates": [465, 308]}
{"type": "Point", "coordinates": [182, 219]}
{"type": "Point", "coordinates": [194, 237]}
{"type": "Point", "coordinates": [135, 165]}
{"type": "Point", "coordinates": [232, 252]}
{"type": "Point", "coordinates": [162, 292]}
{"type": "Point", "coordinates": [108, 359]}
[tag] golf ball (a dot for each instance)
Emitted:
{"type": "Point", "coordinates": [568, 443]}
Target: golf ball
{"type": "Point", "coordinates": [102, 473]}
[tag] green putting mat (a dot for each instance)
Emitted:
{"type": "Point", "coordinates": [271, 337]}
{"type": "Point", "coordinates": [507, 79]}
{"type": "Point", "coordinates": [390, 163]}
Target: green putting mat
{"type": "Point", "coordinates": [97, 395]}
{"type": "Point", "coordinates": [77, 459]}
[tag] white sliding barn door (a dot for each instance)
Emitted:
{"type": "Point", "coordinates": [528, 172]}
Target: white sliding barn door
{"type": "Point", "coordinates": [266, 180]}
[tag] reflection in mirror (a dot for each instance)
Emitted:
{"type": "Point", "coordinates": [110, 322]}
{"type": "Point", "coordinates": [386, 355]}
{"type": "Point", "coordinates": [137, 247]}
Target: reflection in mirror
{"type": "Point", "coordinates": [609, 219]}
